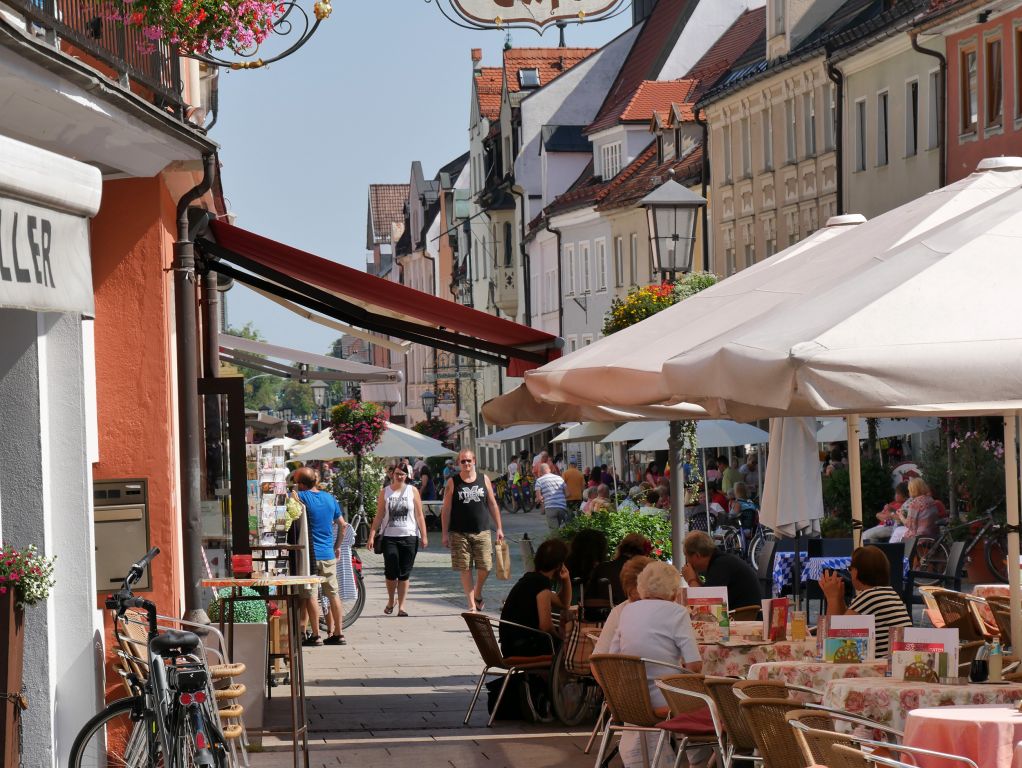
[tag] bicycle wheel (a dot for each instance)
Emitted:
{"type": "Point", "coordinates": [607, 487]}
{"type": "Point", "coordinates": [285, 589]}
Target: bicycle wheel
{"type": "Point", "coordinates": [996, 551]}
{"type": "Point", "coordinates": [731, 541]}
{"type": "Point", "coordinates": [571, 695]}
{"type": "Point", "coordinates": [112, 739]}
{"type": "Point", "coordinates": [932, 558]}
{"type": "Point", "coordinates": [353, 608]}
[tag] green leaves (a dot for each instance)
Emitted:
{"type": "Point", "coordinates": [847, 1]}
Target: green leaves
{"type": "Point", "coordinates": [616, 525]}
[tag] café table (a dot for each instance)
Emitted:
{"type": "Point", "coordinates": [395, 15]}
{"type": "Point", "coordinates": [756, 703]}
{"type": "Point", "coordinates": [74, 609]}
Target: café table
{"type": "Point", "coordinates": [735, 658]}
{"type": "Point", "coordinates": [889, 701]}
{"type": "Point", "coordinates": [814, 674]}
{"type": "Point", "coordinates": [287, 590]}
{"type": "Point", "coordinates": [992, 590]}
{"type": "Point", "coordinates": [984, 733]}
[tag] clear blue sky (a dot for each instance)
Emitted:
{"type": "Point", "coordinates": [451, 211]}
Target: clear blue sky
{"type": "Point", "coordinates": [381, 84]}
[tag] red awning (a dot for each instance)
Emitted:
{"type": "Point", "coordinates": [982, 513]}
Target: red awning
{"type": "Point", "coordinates": [373, 303]}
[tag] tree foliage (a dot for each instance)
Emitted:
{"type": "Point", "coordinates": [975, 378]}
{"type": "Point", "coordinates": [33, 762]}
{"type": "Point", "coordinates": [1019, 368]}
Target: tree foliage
{"type": "Point", "coordinates": [298, 398]}
{"type": "Point", "coordinates": [434, 427]}
{"type": "Point", "coordinates": [877, 490]}
{"type": "Point", "coordinates": [261, 390]}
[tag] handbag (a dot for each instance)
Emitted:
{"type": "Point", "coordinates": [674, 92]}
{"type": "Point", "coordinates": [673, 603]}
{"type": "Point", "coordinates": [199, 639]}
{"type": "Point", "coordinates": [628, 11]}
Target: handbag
{"type": "Point", "coordinates": [578, 646]}
{"type": "Point", "coordinates": [378, 541]}
{"type": "Point", "coordinates": [503, 568]}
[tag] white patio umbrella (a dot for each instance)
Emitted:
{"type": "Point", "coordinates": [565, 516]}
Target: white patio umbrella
{"type": "Point", "coordinates": [836, 430]}
{"type": "Point", "coordinates": [397, 441]}
{"type": "Point", "coordinates": [519, 406]}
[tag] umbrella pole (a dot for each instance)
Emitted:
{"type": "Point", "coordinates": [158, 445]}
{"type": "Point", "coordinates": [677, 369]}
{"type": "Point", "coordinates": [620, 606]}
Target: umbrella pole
{"type": "Point", "coordinates": [1011, 487]}
{"type": "Point", "coordinates": [706, 490]}
{"type": "Point", "coordinates": [677, 494]}
{"type": "Point", "coordinates": [855, 479]}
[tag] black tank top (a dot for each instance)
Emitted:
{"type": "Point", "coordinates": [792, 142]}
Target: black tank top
{"type": "Point", "coordinates": [469, 510]}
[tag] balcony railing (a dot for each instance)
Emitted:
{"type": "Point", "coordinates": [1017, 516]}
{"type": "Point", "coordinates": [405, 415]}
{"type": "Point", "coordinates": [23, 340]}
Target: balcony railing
{"type": "Point", "coordinates": [83, 25]}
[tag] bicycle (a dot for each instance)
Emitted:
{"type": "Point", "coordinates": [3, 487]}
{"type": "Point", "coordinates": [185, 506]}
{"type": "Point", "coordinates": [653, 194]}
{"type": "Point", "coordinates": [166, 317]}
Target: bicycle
{"type": "Point", "coordinates": [933, 553]}
{"type": "Point", "coordinates": [170, 719]}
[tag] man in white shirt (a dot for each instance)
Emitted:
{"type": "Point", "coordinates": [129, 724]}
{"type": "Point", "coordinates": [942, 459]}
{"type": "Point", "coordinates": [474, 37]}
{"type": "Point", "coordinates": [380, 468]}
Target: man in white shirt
{"type": "Point", "coordinates": [551, 492]}
{"type": "Point", "coordinates": [512, 471]}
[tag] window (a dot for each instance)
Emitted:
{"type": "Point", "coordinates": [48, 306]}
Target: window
{"type": "Point", "coordinates": [933, 106]}
{"type": "Point", "coordinates": [572, 343]}
{"type": "Point", "coordinates": [830, 126]}
{"type": "Point", "coordinates": [569, 263]}
{"type": "Point", "coordinates": [882, 128]}
{"type": "Point", "coordinates": [611, 157]}
{"type": "Point", "coordinates": [770, 246]}
{"type": "Point", "coordinates": [911, 118]}
{"type": "Point", "coordinates": [768, 139]}
{"type": "Point", "coordinates": [528, 78]}
{"type": "Point", "coordinates": [994, 84]}
{"type": "Point", "coordinates": [583, 257]}
{"type": "Point", "coordinates": [970, 105]}
{"type": "Point", "coordinates": [778, 16]}
{"type": "Point", "coordinates": [729, 262]}
{"type": "Point", "coordinates": [860, 135]}
{"type": "Point", "coordinates": [633, 259]}
{"type": "Point", "coordinates": [809, 122]}
{"type": "Point", "coordinates": [601, 265]}
{"type": "Point", "coordinates": [750, 254]}
{"type": "Point", "coordinates": [587, 339]}
{"type": "Point", "coordinates": [619, 261]}
{"type": "Point", "coordinates": [746, 148]}
{"type": "Point", "coordinates": [726, 146]}
{"type": "Point", "coordinates": [509, 258]}
{"type": "Point", "coordinates": [789, 130]}
{"type": "Point", "coordinates": [660, 149]}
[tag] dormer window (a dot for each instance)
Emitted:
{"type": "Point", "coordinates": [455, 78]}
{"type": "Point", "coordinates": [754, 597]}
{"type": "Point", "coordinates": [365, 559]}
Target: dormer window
{"type": "Point", "coordinates": [778, 15]}
{"type": "Point", "coordinates": [528, 78]}
{"type": "Point", "coordinates": [610, 157]}
{"type": "Point", "coordinates": [660, 149]}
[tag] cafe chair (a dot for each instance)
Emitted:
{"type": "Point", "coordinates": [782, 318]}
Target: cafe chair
{"type": "Point", "coordinates": [694, 721]}
{"type": "Point", "coordinates": [623, 680]}
{"type": "Point", "coordinates": [950, 578]}
{"type": "Point", "coordinates": [775, 739]}
{"type": "Point", "coordinates": [958, 610]}
{"type": "Point", "coordinates": [738, 743]}
{"type": "Point", "coordinates": [746, 612]}
{"type": "Point", "coordinates": [497, 664]}
{"type": "Point", "coordinates": [601, 718]}
{"type": "Point", "coordinates": [816, 733]}
{"type": "Point", "coordinates": [858, 758]}
{"type": "Point", "coordinates": [772, 689]}
{"type": "Point", "coordinates": [1001, 611]}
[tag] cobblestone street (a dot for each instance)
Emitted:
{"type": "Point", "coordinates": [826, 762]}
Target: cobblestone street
{"type": "Point", "coordinates": [398, 692]}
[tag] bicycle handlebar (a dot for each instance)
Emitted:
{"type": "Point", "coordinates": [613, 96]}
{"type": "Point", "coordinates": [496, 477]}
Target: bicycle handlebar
{"type": "Point", "coordinates": [124, 599]}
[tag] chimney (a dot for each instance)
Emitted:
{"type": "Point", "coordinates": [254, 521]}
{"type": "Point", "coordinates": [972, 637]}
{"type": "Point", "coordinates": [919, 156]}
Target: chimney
{"type": "Point", "coordinates": [477, 59]}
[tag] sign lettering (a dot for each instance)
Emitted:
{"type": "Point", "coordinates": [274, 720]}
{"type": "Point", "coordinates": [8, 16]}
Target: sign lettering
{"type": "Point", "coordinates": [538, 13]}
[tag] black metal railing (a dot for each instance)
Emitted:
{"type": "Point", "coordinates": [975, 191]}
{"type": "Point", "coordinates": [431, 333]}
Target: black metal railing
{"type": "Point", "coordinates": [84, 25]}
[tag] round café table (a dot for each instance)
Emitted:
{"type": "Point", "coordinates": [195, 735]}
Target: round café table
{"type": "Point", "coordinates": [889, 701]}
{"type": "Point", "coordinates": [734, 659]}
{"type": "Point", "coordinates": [984, 733]}
{"type": "Point", "coordinates": [814, 674]}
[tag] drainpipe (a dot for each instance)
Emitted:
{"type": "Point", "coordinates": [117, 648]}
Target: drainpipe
{"type": "Point", "coordinates": [941, 112]}
{"type": "Point", "coordinates": [560, 278]}
{"type": "Point", "coordinates": [187, 389]}
{"type": "Point", "coordinates": [701, 122]}
{"type": "Point", "coordinates": [526, 261]}
{"type": "Point", "coordinates": [839, 146]}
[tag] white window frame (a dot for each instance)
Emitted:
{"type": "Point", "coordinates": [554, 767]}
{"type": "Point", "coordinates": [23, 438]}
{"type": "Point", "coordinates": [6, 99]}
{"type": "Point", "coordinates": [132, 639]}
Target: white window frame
{"type": "Point", "coordinates": [809, 122]}
{"type": "Point", "coordinates": [610, 160]}
{"type": "Point", "coordinates": [745, 128]}
{"type": "Point", "coordinates": [859, 115]}
{"type": "Point", "coordinates": [572, 342]}
{"type": "Point", "coordinates": [988, 122]}
{"type": "Point", "coordinates": [911, 118]}
{"type": "Point", "coordinates": [768, 139]}
{"type": "Point", "coordinates": [883, 129]}
{"type": "Point", "coordinates": [777, 16]}
{"type": "Point", "coordinates": [725, 143]}
{"type": "Point", "coordinates": [585, 268]}
{"type": "Point", "coordinates": [600, 253]}
{"type": "Point", "coordinates": [587, 339]}
{"type": "Point", "coordinates": [729, 261]}
{"type": "Point", "coordinates": [568, 254]}
{"type": "Point", "coordinates": [633, 258]}
{"type": "Point", "coordinates": [790, 137]}
{"type": "Point", "coordinates": [933, 96]}
{"type": "Point", "coordinates": [968, 90]}
{"type": "Point", "coordinates": [830, 126]}
{"type": "Point", "coordinates": [619, 261]}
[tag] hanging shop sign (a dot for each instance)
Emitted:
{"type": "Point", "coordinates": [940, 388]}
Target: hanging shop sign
{"type": "Point", "coordinates": [538, 13]}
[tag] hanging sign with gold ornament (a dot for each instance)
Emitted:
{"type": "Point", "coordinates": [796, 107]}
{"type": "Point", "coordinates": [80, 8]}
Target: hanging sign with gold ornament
{"type": "Point", "coordinates": [498, 14]}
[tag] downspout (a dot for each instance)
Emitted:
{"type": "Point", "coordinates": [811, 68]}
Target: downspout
{"type": "Point", "coordinates": [526, 261]}
{"type": "Point", "coordinates": [560, 277]}
{"type": "Point", "coordinates": [941, 112]}
{"type": "Point", "coordinates": [839, 146]}
{"type": "Point", "coordinates": [701, 122]}
{"type": "Point", "coordinates": [187, 388]}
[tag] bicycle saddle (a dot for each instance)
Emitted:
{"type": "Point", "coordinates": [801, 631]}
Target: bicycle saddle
{"type": "Point", "coordinates": [173, 642]}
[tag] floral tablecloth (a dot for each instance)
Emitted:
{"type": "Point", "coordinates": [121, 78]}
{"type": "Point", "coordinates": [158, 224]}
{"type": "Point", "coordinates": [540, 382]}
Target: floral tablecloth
{"type": "Point", "coordinates": [889, 701]}
{"type": "Point", "coordinates": [814, 674]}
{"type": "Point", "coordinates": [992, 590]}
{"type": "Point", "coordinates": [735, 660]}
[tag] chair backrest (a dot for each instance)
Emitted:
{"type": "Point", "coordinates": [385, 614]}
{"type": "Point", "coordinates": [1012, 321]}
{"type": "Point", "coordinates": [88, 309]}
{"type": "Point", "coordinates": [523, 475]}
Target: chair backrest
{"type": "Point", "coordinates": [694, 698]}
{"type": "Point", "coordinates": [1002, 616]}
{"type": "Point", "coordinates": [745, 613]}
{"type": "Point", "coordinates": [895, 553]}
{"type": "Point", "coordinates": [486, 642]}
{"type": "Point", "coordinates": [955, 609]}
{"type": "Point", "coordinates": [816, 734]}
{"type": "Point", "coordinates": [739, 734]}
{"type": "Point", "coordinates": [623, 680]}
{"type": "Point", "coordinates": [760, 689]}
{"type": "Point", "coordinates": [814, 547]}
{"type": "Point", "coordinates": [774, 738]}
{"type": "Point", "coordinates": [765, 561]}
{"type": "Point", "coordinates": [955, 564]}
{"type": "Point", "coordinates": [967, 652]}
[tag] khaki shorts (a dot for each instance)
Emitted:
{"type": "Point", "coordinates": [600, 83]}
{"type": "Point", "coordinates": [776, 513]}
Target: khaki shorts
{"type": "Point", "coordinates": [469, 547]}
{"type": "Point", "coordinates": [331, 587]}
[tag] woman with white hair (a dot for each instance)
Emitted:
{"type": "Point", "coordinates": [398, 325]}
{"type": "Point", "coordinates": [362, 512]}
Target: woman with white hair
{"type": "Point", "coordinates": [655, 627]}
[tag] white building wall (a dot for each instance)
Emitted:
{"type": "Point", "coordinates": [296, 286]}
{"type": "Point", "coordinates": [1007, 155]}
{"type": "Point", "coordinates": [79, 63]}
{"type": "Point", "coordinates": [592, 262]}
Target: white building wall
{"type": "Point", "coordinates": [708, 22]}
{"type": "Point", "coordinates": [581, 231]}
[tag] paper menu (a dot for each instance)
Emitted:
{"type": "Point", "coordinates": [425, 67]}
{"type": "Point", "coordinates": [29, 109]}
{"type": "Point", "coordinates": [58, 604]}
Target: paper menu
{"type": "Point", "coordinates": [923, 655]}
{"type": "Point", "coordinates": [849, 639]}
{"type": "Point", "coordinates": [775, 618]}
{"type": "Point", "coordinates": [706, 605]}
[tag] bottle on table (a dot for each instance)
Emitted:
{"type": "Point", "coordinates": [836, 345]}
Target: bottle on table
{"type": "Point", "coordinates": [725, 626]}
{"type": "Point", "coordinates": [995, 662]}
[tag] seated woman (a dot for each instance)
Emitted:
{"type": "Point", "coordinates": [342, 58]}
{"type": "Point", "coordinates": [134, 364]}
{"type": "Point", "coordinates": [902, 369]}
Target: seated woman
{"type": "Point", "coordinates": [588, 551]}
{"type": "Point", "coordinates": [919, 515]}
{"type": "Point", "coordinates": [531, 602]}
{"type": "Point", "coordinates": [628, 583]}
{"type": "Point", "coordinates": [871, 578]}
{"type": "Point", "coordinates": [632, 545]}
{"type": "Point", "coordinates": [886, 518]}
{"type": "Point", "coordinates": [655, 627]}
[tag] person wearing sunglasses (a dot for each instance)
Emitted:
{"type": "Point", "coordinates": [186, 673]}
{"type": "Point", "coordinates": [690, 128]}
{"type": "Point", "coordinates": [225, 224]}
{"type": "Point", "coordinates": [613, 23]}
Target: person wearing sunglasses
{"type": "Point", "coordinates": [469, 504]}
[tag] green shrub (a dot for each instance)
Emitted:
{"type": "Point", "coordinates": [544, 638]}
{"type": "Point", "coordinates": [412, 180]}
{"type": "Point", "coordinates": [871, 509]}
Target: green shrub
{"type": "Point", "coordinates": [616, 525]}
{"type": "Point", "coordinates": [245, 611]}
{"type": "Point", "coordinates": [877, 490]}
{"type": "Point", "coordinates": [344, 484]}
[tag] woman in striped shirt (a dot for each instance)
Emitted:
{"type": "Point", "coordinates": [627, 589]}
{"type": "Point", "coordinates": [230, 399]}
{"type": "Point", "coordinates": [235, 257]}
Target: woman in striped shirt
{"type": "Point", "coordinates": [871, 578]}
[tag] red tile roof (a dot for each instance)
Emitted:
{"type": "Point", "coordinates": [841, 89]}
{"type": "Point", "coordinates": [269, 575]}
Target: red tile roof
{"type": "Point", "coordinates": [646, 175]}
{"type": "Point", "coordinates": [654, 97]}
{"type": "Point", "coordinates": [739, 37]}
{"type": "Point", "coordinates": [386, 207]}
{"type": "Point", "coordinates": [551, 63]}
{"type": "Point", "coordinates": [488, 89]}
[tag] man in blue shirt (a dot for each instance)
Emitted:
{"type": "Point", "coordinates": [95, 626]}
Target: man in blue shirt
{"type": "Point", "coordinates": [322, 511]}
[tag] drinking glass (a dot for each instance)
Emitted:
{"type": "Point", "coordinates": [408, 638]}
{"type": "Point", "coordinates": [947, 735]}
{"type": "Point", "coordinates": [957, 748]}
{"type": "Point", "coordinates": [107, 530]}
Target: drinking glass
{"type": "Point", "coordinates": [798, 626]}
{"type": "Point", "coordinates": [978, 671]}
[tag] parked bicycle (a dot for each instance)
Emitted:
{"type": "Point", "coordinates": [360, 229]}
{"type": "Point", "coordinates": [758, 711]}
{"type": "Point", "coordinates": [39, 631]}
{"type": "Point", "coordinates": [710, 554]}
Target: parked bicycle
{"type": "Point", "coordinates": [932, 554]}
{"type": "Point", "coordinates": [513, 497]}
{"type": "Point", "coordinates": [170, 720]}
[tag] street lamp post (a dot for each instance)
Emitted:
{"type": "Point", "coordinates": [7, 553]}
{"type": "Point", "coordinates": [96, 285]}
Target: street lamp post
{"type": "Point", "coordinates": [428, 403]}
{"type": "Point", "coordinates": [319, 390]}
{"type": "Point", "coordinates": [672, 212]}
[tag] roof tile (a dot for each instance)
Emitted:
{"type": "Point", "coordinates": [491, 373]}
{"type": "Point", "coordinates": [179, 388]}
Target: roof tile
{"type": "Point", "coordinates": [551, 63]}
{"type": "Point", "coordinates": [488, 88]}
{"type": "Point", "coordinates": [386, 206]}
{"type": "Point", "coordinates": [656, 97]}
{"type": "Point", "coordinates": [646, 175]}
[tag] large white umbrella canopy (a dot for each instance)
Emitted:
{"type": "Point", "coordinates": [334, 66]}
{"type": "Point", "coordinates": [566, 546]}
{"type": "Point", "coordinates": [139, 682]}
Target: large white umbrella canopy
{"type": "Point", "coordinates": [397, 441]}
{"type": "Point", "coordinates": [792, 489]}
{"type": "Point", "coordinates": [519, 406]}
{"type": "Point", "coordinates": [711, 433]}
{"type": "Point", "coordinates": [587, 431]}
{"type": "Point", "coordinates": [836, 430]}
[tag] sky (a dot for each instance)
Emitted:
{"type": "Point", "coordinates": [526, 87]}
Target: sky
{"type": "Point", "coordinates": [382, 83]}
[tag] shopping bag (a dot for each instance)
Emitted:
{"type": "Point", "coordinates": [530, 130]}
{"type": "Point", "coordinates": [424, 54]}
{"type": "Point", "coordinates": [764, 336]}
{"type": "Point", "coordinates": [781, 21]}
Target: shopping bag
{"type": "Point", "coordinates": [503, 561]}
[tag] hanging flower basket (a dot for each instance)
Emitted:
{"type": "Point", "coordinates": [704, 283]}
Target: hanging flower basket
{"type": "Point", "coordinates": [198, 26]}
{"type": "Point", "coordinates": [357, 427]}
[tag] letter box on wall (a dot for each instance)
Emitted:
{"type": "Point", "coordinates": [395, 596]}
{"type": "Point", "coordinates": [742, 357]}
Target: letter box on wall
{"type": "Point", "coordinates": [121, 509]}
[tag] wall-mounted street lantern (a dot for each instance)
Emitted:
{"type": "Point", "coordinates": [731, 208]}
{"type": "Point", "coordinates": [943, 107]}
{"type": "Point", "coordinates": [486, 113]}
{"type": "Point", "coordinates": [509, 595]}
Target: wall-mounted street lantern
{"type": "Point", "coordinates": [428, 403]}
{"type": "Point", "coordinates": [672, 211]}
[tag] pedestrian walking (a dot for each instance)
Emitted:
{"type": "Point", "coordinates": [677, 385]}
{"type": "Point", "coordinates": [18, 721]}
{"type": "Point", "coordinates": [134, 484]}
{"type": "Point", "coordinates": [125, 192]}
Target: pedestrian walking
{"type": "Point", "coordinates": [468, 499]}
{"type": "Point", "coordinates": [399, 520]}
{"type": "Point", "coordinates": [551, 493]}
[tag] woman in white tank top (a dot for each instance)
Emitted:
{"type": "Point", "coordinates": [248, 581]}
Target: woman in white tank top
{"type": "Point", "coordinates": [399, 520]}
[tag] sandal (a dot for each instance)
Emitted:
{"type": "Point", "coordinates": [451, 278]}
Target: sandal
{"type": "Point", "coordinates": [388, 610]}
{"type": "Point", "coordinates": [480, 604]}
{"type": "Point", "coordinates": [403, 613]}
{"type": "Point", "coordinates": [335, 640]}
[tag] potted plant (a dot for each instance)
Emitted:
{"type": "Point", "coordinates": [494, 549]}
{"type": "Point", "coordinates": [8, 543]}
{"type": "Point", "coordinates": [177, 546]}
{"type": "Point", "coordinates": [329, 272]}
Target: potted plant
{"type": "Point", "coordinates": [26, 578]}
{"type": "Point", "coordinates": [357, 428]}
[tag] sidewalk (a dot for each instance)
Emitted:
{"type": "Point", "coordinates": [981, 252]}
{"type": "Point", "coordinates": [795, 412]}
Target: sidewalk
{"type": "Point", "coordinates": [398, 692]}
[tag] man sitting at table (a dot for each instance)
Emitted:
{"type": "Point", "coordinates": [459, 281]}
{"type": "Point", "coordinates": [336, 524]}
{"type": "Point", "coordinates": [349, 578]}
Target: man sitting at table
{"type": "Point", "coordinates": [719, 569]}
{"type": "Point", "coordinates": [871, 578]}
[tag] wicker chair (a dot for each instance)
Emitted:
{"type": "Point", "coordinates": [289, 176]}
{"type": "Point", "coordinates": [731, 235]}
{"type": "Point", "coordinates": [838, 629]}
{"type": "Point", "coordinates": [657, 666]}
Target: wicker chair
{"type": "Point", "coordinates": [687, 694]}
{"type": "Point", "coordinates": [739, 743]}
{"type": "Point", "coordinates": [957, 610]}
{"type": "Point", "coordinates": [854, 757]}
{"type": "Point", "coordinates": [1000, 608]}
{"type": "Point", "coordinates": [775, 740]}
{"type": "Point", "coordinates": [623, 680]}
{"type": "Point", "coordinates": [745, 613]}
{"type": "Point", "coordinates": [481, 627]}
{"type": "Point", "coordinates": [815, 732]}
{"type": "Point", "coordinates": [771, 689]}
